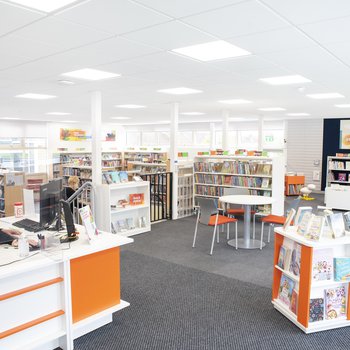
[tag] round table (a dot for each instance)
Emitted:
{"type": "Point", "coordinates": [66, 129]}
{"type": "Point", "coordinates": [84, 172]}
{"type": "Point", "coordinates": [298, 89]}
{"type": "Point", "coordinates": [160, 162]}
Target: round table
{"type": "Point", "coordinates": [247, 201]}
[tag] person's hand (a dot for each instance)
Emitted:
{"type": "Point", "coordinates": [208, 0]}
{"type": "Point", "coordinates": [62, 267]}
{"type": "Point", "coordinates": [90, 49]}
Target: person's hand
{"type": "Point", "coordinates": [12, 232]}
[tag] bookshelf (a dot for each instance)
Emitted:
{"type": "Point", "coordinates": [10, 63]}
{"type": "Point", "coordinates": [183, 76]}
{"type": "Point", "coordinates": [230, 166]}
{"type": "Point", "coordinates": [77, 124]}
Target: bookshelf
{"type": "Point", "coordinates": [338, 171]}
{"type": "Point", "coordinates": [146, 161]}
{"type": "Point", "coordinates": [293, 184]}
{"type": "Point", "coordinates": [262, 176]}
{"type": "Point", "coordinates": [33, 182]}
{"type": "Point", "coordinates": [307, 287]}
{"type": "Point", "coordinates": [185, 189]}
{"type": "Point", "coordinates": [112, 216]}
{"type": "Point", "coordinates": [11, 191]}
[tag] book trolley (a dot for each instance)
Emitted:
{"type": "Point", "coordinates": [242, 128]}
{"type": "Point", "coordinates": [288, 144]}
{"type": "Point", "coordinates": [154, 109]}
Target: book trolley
{"type": "Point", "coordinates": [309, 289]}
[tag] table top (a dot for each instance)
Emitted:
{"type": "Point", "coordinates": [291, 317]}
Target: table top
{"type": "Point", "coordinates": [246, 199]}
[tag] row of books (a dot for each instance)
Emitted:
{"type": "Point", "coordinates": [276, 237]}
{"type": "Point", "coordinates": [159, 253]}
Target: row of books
{"type": "Point", "coordinates": [294, 189]}
{"type": "Point", "coordinates": [233, 180]}
{"type": "Point", "coordinates": [337, 177]}
{"type": "Point", "coordinates": [82, 173]}
{"type": "Point", "coordinates": [338, 165]}
{"type": "Point", "coordinates": [111, 163]}
{"type": "Point", "coordinates": [128, 224]}
{"type": "Point", "coordinates": [234, 167]}
{"type": "Point", "coordinates": [114, 177]}
{"type": "Point", "coordinates": [209, 191]}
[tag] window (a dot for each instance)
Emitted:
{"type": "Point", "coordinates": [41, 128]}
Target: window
{"type": "Point", "coordinates": [164, 138]}
{"type": "Point", "coordinates": [149, 139]}
{"type": "Point", "coordinates": [185, 138]}
{"type": "Point", "coordinates": [133, 138]}
{"type": "Point", "coordinates": [273, 139]}
{"type": "Point", "coordinates": [202, 138]}
{"type": "Point", "coordinates": [247, 139]}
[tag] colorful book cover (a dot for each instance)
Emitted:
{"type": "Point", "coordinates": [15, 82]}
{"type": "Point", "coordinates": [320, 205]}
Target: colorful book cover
{"type": "Point", "coordinates": [295, 260]}
{"type": "Point", "coordinates": [316, 310]}
{"type": "Point", "coordinates": [123, 175]}
{"type": "Point", "coordinates": [337, 224]}
{"type": "Point", "coordinates": [226, 167]}
{"type": "Point", "coordinates": [294, 302]}
{"type": "Point", "coordinates": [289, 219]}
{"type": "Point", "coordinates": [322, 264]}
{"type": "Point", "coordinates": [265, 183]}
{"type": "Point", "coordinates": [136, 199]}
{"type": "Point", "coordinates": [304, 223]}
{"type": "Point", "coordinates": [115, 177]}
{"type": "Point", "coordinates": [315, 227]}
{"type": "Point", "coordinates": [89, 222]}
{"type": "Point", "coordinates": [300, 213]}
{"type": "Point", "coordinates": [281, 257]}
{"type": "Point", "coordinates": [286, 290]}
{"type": "Point", "coordinates": [341, 177]}
{"type": "Point", "coordinates": [335, 302]}
{"type": "Point", "coordinates": [342, 269]}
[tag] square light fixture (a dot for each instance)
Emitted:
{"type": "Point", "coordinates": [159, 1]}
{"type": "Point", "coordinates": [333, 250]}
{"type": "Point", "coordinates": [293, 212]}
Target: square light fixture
{"type": "Point", "coordinates": [10, 118]}
{"type": "Point", "coordinates": [325, 96]}
{"type": "Point", "coordinates": [272, 109]}
{"type": "Point", "coordinates": [344, 105]}
{"type": "Point", "coordinates": [235, 101]}
{"type": "Point", "coordinates": [301, 114]}
{"type": "Point", "coordinates": [286, 80]}
{"type": "Point", "coordinates": [213, 50]}
{"type": "Point", "coordinates": [120, 118]}
{"type": "Point", "coordinates": [130, 106]}
{"type": "Point", "coordinates": [90, 74]}
{"type": "Point", "coordinates": [58, 113]}
{"type": "Point", "coordinates": [69, 121]}
{"type": "Point", "coordinates": [192, 113]}
{"type": "Point", "coordinates": [43, 5]}
{"type": "Point", "coordinates": [180, 91]}
{"type": "Point", "coordinates": [36, 96]}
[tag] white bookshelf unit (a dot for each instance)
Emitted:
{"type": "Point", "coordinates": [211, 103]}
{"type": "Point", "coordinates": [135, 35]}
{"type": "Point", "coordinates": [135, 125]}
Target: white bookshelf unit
{"type": "Point", "coordinates": [307, 287]}
{"type": "Point", "coordinates": [185, 189]}
{"type": "Point", "coordinates": [110, 218]}
{"type": "Point", "coordinates": [262, 176]}
{"type": "Point", "coordinates": [146, 161]}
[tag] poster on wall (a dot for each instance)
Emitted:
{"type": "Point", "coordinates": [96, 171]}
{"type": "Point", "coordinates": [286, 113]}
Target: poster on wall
{"type": "Point", "coordinates": [344, 137]}
{"type": "Point", "coordinates": [73, 135]}
{"type": "Point", "coordinates": [110, 136]}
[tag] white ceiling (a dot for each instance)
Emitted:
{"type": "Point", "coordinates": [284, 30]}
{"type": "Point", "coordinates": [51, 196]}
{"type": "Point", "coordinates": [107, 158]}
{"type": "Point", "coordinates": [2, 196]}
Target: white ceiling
{"type": "Point", "coordinates": [134, 38]}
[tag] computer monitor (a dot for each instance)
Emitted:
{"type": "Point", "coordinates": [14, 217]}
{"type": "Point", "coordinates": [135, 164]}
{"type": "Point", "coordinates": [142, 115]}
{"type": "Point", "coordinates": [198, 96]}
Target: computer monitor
{"type": "Point", "coordinates": [50, 196]}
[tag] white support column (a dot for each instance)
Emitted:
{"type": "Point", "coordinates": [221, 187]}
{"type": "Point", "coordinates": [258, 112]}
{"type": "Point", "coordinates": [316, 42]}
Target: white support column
{"type": "Point", "coordinates": [96, 118]}
{"type": "Point", "coordinates": [260, 133]}
{"type": "Point", "coordinates": [212, 136]}
{"type": "Point", "coordinates": [225, 129]}
{"type": "Point", "coordinates": [174, 127]}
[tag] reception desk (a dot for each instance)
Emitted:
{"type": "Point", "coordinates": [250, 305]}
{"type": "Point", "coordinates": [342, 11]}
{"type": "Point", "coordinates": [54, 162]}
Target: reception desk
{"type": "Point", "coordinates": [53, 297]}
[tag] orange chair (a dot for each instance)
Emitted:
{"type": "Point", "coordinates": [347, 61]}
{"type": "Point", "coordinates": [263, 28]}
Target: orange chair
{"type": "Point", "coordinates": [208, 214]}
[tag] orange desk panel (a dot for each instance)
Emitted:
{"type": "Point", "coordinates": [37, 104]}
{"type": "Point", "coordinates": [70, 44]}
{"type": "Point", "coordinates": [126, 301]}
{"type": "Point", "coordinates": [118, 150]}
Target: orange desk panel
{"type": "Point", "coordinates": [95, 283]}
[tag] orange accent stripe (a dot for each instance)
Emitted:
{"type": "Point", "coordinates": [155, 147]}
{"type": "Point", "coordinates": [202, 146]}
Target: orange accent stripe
{"type": "Point", "coordinates": [30, 324]}
{"type": "Point", "coordinates": [276, 273]}
{"type": "Point", "coordinates": [30, 288]}
{"type": "Point", "coordinates": [305, 286]}
{"type": "Point", "coordinates": [348, 312]}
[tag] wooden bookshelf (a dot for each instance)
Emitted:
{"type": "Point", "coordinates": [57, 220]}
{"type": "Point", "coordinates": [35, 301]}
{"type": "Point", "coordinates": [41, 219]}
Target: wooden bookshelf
{"type": "Point", "coordinates": [146, 161]}
{"type": "Point", "coordinates": [293, 184]}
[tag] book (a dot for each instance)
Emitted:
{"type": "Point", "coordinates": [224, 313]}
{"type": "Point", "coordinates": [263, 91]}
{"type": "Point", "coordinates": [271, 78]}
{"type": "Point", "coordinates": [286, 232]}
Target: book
{"type": "Point", "coordinates": [265, 182]}
{"type": "Point", "coordinates": [316, 310]}
{"type": "Point", "coordinates": [123, 175]}
{"type": "Point", "coordinates": [300, 213]}
{"type": "Point", "coordinates": [315, 227]}
{"type": "Point", "coordinates": [89, 222]}
{"type": "Point", "coordinates": [303, 224]}
{"type": "Point", "coordinates": [142, 221]}
{"type": "Point", "coordinates": [322, 264]}
{"type": "Point", "coordinates": [225, 168]}
{"type": "Point", "coordinates": [107, 179]}
{"type": "Point", "coordinates": [295, 260]}
{"type": "Point", "coordinates": [342, 177]}
{"type": "Point", "coordinates": [121, 225]}
{"type": "Point", "coordinates": [346, 217]}
{"type": "Point", "coordinates": [289, 219]}
{"type": "Point", "coordinates": [335, 302]}
{"type": "Point", "coordinates": [294, 302]}
{"type": "Point", "coordinates": [342, 269]}
{"type": "Point", "coordinates": [130, 223]}
{"type": "Point", "coordinates": [285, 290]}
{"type": "Point", "coordinates": [284, 257]}
{"type": "Point", "coordinates": [136, 198]}
{"type": "Point", "coordinates": [337, 224]}
{"type": "Point", "coordinates": [115, 177]}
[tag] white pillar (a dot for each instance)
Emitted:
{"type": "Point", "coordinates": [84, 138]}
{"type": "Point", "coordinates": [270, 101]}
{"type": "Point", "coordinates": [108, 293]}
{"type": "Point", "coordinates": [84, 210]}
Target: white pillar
{"type": "Point", "coordinates": [260, 133]}
{"type": "Point", "coordinates": [212, 136]}
{"type": "Point", "coordinates": [174, 127]}
{"type": "Point", "coordinates": [225, 129]}
{"type": "Point", "coordinates": [96, 118]}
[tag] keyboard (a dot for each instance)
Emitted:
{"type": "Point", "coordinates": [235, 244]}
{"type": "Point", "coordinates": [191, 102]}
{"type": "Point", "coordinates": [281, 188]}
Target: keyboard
{"type": "Point", "coordinates": [29, 225]}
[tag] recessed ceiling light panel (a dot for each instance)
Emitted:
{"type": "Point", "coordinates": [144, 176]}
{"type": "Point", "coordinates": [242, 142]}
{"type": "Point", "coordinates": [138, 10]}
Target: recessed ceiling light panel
{"type": "Point", "coordinates": [36, 96]}
{"type": "Point", "coordinates": [120, 118]}
{"type": "Point", "coordinates": [286, 80]}
{"type": "Point", "coordinates": [272, 109]}
{"type": "Point", "coordinates": [214, 50]}
{"type": "Point", "coordinates": [343, 105]}
{"type": "Point", "coordinates": [58, 113]}
{"type": "Point", "coordinates": [236, 101]}
{"type": "Point", "coordinates": [130, 106]}
{"type": "Point", "coordinates": [90, 74]}
{"type": "Point", "coordinates": [325, 96]}
{"type": "Point", "coordinates": [180, 91]}
{"type": "Point", "coordinates": [192, 113]}
{"type": "Point", "coordinates": [298, 114]}
{"type": "Point", "coordinates": [43, 5]}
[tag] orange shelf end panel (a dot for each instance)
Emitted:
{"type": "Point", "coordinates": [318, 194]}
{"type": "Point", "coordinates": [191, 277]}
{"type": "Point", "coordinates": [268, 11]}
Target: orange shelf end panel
{"type": "Point", "coordinates": [276, 273]}
{"type": "Point", "coordinates": [95, 283]}
{"type": "Point", "coordinates": [305, 285]}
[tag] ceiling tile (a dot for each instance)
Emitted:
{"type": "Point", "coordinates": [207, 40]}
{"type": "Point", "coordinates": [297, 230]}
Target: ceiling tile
{"type": "Point", "coordinates": [308, 11]}
{"type": "Point", "coordinates": [182, 8]}
{"type": "Point", "coordinates": [113, 16]}
{"type": "Point", "coordinates": [170, 35]}
{"type": "Point", "coordinates": [241, 19]}
{"type": "Point", "coordinates": [9, 60]}
{"type": "Point", "coordinates": [64, 34]}
{"type": "Point", "coordinates": [13, 17]}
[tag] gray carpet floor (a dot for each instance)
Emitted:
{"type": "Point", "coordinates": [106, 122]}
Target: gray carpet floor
{"type": "Point", "coordinates": [177, 307]}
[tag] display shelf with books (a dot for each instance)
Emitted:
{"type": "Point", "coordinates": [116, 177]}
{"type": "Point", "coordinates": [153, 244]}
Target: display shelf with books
{"type": "Point", "coordinates": [185, 189]}
{"type": "Point", "coordinates": [293, 184]}
{"type": "Point", "coordinates": [338, 170]}
{"type": "Point", "coordinates": [144, 160]}
{"type": "Point", "coordinates": [33, 182]}
{"type": "Point", "coordinates": [11, 191]}
{"type": "Point", "coordinates": [123, 208]}
{"type": "Point", "coordinates": [311, 280]}
{"type": "Point", "coordinates": [262, 176]}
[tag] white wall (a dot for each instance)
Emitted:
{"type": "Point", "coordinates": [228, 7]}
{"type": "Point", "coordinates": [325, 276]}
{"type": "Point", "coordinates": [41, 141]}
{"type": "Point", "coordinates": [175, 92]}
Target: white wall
{"type": "Point", "coordinates": [304, 148]}
{"type": "Point", "coordinates": [15, 128]}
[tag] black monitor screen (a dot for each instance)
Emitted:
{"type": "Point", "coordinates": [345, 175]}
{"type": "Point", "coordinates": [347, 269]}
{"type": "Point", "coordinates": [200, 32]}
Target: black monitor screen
{"type": "Point", "coordinates": [50, 195]}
